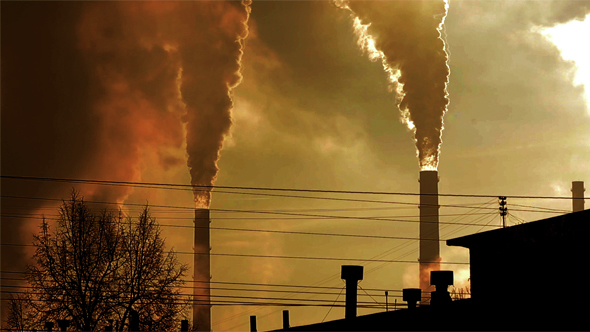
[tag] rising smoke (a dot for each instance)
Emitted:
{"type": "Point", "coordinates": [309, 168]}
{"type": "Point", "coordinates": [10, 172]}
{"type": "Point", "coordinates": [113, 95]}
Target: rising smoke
{"type": "Point", "coordinates": [406, 37]}
{"type": "Point", "coordinates": [211, 69]}
{"type": "Point", "coordinates": [101, 90]}
{"type": "Point", "coordinates": [192, 51]}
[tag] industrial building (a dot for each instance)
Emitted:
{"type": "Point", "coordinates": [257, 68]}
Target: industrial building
{"type": "Point", "coordinates": [525, 277]}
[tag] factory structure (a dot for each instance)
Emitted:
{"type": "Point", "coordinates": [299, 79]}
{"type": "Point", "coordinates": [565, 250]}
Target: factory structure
{"type": "Point", "coordinates": [524, 277]}
{"type": "Point", "coordinates": [519, 262]}
{"type": "Point", "coordinates": [429, 229]}
{"type": "Point", "coordinates": [202, 272]}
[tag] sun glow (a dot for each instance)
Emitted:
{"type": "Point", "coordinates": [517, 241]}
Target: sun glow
{"type": "Point", "coordinates": [572, 40]}
{"type": "Point", "coordinates": [367, 44]}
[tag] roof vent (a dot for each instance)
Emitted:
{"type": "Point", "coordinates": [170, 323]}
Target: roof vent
{"type": "Point", "coordinates": [412, 295]}
{"type": "Point", "coordinates": [441, 280]}
{"type": "Point", "coordinates": [352, 274]}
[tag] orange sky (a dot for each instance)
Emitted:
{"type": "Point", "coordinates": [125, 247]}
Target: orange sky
{"type": "Point", "coordinates": [311, 112]}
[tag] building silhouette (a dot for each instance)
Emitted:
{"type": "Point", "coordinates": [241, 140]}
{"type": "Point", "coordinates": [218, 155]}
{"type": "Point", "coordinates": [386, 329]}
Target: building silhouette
{"type": "Point", "coordinates": [525, 277]}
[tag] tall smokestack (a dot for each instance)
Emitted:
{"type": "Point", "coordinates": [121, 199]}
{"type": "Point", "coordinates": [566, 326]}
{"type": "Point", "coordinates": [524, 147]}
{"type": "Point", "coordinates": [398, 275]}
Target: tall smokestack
{"type": "Point", "coordinates": [578, 196]}
{"type": "Point", "coordinates": [202, 272]}
{"type": "Point", "coordinates": [429, 238]}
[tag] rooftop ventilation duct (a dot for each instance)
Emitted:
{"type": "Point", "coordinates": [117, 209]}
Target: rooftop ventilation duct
{"type": "Point", "coordinates": [352, 274]}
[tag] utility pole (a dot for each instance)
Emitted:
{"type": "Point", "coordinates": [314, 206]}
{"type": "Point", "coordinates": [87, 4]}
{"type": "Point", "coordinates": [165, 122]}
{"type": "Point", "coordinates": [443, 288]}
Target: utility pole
{"type": "Point", "coordinates": [503, 210]}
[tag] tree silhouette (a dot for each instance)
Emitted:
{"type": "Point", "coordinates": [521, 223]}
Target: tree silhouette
{"type": "Point", "coordinates": [460, 293]}
{"type": "Point", "coordinates": [98, 267]}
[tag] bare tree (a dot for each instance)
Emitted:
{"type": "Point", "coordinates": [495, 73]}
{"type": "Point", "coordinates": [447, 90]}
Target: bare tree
{"type": "Point", "coordinates": [19, 316]}
{"type": "Point", "coordinates": [461, 293]}
{"type": "Point", "coordinates": [95, 267]}
{"type": "Point", "coordinates": [147, 277]}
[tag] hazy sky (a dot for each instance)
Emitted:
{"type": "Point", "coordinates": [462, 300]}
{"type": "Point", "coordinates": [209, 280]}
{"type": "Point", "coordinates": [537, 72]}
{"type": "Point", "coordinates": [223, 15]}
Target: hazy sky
{"type": "Point", "coordinates": [312, 112]}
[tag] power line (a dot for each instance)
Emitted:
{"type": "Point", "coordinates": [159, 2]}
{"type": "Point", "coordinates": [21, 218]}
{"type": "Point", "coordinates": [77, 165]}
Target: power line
{"type": "Point", "coordinates": [276, 231]}
{"type": "Point", "coordinates": [217, 296]}
{"type": "Point", "coordinates": [273, 256]}
{"type": "Point", "coordinates": [259, 290]}
{"type": "Point", "coordinates": [241, 303]}
{"type": "Point", "coordinates": [318, 216]}
{"type": "Point", "coordinates": [332, 306]}
{"type": "Point", "coordinates": [237, 283]}
{"type": "Point", "coordinates": [277, 212]}
{"type": "Point", "coordinates": [541, 208]}
{"type": "Point", "coordinates": [399, 247]}
{"type": "Point", "coordinates": [359, 286]}
{"type": "Point", "coordinates": [315, 217]}
{"type": "Point", "coordinates": [282, 210]}
{"type": "Point", "coordinates": [211, 187]}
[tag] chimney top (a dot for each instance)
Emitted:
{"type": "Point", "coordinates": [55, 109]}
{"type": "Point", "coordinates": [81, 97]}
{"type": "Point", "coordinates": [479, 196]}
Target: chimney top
{"type": "Point", "coordinates": [429, 176]}
{"type": "Point", "coordinates": [352, 272]}
{"type": "Point", "coordinates": [411, 294]}
{"type": "Point", "coordinates": [579, 185]}
{"type": "Point", "coordinates": [441, 278]}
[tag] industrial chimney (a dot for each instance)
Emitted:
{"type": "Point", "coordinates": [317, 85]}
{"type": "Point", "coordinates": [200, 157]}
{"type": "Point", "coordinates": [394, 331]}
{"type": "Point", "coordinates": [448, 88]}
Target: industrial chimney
{"type": "Point", "coordinates": [202, 272]}
{"type": "Point", "coordinates": [429, 237]}
{"type": "Point", "coordinates": [578, 196]}
{"type": "Point", "coordinates": [352, 274]}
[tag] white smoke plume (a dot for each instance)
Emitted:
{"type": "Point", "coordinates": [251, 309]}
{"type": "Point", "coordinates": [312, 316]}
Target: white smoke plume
{"type": "Point", "coordinates": [406, 37]}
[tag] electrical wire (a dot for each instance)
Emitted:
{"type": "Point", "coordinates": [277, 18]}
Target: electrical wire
{"type": "Point", "coordinates": [211, 187]}
{"type": "Point", "coordinates": [272, 256]}
{"type": "Point", "coordinates": [259, 290]}
{"type": "Point", "coordinates": [333, 304]}
{"type": "Point", "coordinates": [224, 296]}
{"type": "Point", "coordinates": [281, 232]}
{"type": "Point", "coordinates": [359, 286]}
{"type": "Point", "coordinates": [320, 216]}
{"type": "Point", "coordinates": [245, 303]}
{"type": "Point", "coordinates": [336, 275]}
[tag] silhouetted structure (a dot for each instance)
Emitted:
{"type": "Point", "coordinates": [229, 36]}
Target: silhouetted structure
{"type": "Point", "coordinates": [429, 232]}
{"type": "Point", "coordinates": [521, 279]}
{"type": "Point", "coordinates": [253, 324]}
{"type": "Point", "coordinates": [63, 324]}
{"type": "Point", "coordinates": [202, 272]}
{"type": "Point", "coordinates": [412, 296]}
{"type": "Point", "coordinates": [352, 274]}
{"type": "Point", "coordinates": [441, 280]}
{"type": "Point", "coordinates": [536, 263]}
{"type": "Point", "coordinates": [578, 196]}
{"type": "Point", "coordinates": [286, 324]}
